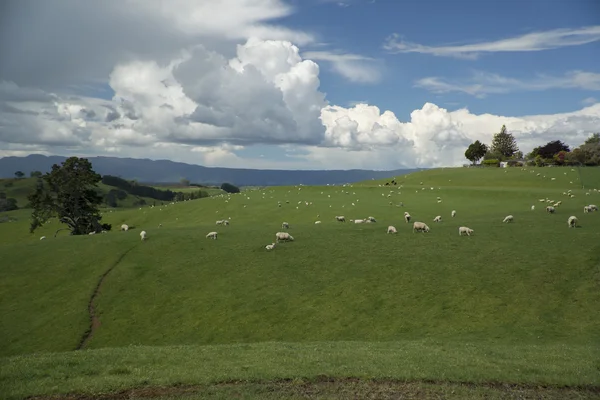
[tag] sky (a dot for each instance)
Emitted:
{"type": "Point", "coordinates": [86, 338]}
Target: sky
{"type": "Point", "coordinates": [295, 84]}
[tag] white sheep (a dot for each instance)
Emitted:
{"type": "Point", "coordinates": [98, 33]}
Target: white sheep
{"type": "Point", "coordinates": [464, 229]}
{"type": "Point", "coordinates": [371, 219]}
{"type": "Point", "coordinates": [593, 207]}
{"type": "Point", "coordinates": [438, 219]}
{"type": "Point", "coordinates": [532, 208]}
{"type": "Point", "coordinates": [124, 227]}
{"type": "Point", "coordinates": [586, 209]}
{"type": "Point", "coordinates": [43, 237]}
{"type": "Point", "coordinates": [270, 246]}
{"type": "Point", "coordinates": [285, 225]}
{"type": "Point", "coordinates": [358, 221]}
{"type": "Point", "coordinates": [420, 227]}
{"type": "Point", "coordinates": [550, 209]}
{"type": "Point", "coordinates": [407, 217]}
{"type": "Point", "coordinates": [391, 229]}
{"type": "Point", "coordinates": [340, 218]}
{"type": "Point", "coordinates": [317, 222]}
{"type": "Point", "coordinates": [143, 235]}
{"type": "Point", "coordinates": [508, 218]}
{"type": "Point", "coordinates": [212, 235]}
{"type": "Point", "coordinates": [92, 233]}
{"type": "Point", "coordinates": [453, 213]}
{"type": "Point", "coordinates": [572, 221]}
{"type": "Point", "coordinates": [283, 236]}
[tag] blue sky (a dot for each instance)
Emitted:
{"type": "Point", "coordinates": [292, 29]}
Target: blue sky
{"type": "Point", "coordinates": [235, 83]}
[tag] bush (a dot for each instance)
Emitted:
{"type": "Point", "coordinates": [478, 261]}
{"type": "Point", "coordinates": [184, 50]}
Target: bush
{"type": "Point", "coordinates": [491, 163]}
{"type": "Point", "coordinates": [229, 188]}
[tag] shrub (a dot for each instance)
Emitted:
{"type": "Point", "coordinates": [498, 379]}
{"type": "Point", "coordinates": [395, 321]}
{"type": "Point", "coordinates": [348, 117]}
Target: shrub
{"type": "Point", "coordinates": [491, 163]}
{"type": "Point", "coordinates": [229, 188]}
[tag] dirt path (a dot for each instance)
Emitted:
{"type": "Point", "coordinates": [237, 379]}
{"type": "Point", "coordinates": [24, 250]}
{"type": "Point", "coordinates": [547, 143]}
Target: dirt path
{"type": "Point", "coordinates": [345, 389]}
{"type": "Point", "coordinates": [94, 320]}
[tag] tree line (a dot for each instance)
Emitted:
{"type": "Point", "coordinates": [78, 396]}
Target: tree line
{"type": "Point", "coordinates": [504, 148]}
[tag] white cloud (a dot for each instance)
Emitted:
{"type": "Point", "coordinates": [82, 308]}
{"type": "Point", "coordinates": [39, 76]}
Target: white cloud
{"type": "Point", "coordinates": [354, 67]}
{"type": "Point", "coordinates": [589, 101]}
{"type": "Point", "coordinates": [482, 83]}
{"type": "Point", "coordinates": [535, 41]}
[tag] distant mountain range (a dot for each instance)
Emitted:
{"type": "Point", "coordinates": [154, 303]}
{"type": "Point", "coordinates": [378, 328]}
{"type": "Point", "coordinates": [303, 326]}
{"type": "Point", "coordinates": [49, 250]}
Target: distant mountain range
{"type": "Point", "coordinates": [165, 171]}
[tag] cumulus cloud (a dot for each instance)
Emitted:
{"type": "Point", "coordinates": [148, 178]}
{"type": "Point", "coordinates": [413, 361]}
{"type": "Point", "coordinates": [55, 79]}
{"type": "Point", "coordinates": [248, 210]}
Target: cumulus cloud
{"type": "Point", "coordinates": [354, 67]}
{"type": "Point", "coordinates": [588, 101]}
{"type": "Point", "coordinates": [483, 83]}
{"type": "Point", "coordinates": [535, 41]}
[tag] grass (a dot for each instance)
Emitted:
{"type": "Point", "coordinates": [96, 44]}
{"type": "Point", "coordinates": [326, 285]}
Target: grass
{"type": "Point", "coordinates": [517, 303]}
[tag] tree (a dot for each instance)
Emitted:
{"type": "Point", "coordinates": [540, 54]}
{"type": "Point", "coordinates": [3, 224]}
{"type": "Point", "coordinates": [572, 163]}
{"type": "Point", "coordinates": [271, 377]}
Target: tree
{"type": "Point", "coordinates": [68, 192]}
{"type": "Point", "coordinates": [35, 174]}
{"type": "Point", "coordinates": [7, 204]}
{"type": "Point", "coordinates": [550, 149]}
{"type": "Point", "coordinates": [504, 143]}
{"type": "Point", "coordinates": [594, 139]}
{"type": "Point", "coordinates": [19, 174]}
{"type": "Point", "coordinates": [229, 188]}
{"type": "Point", "coordinates": [475, 151]}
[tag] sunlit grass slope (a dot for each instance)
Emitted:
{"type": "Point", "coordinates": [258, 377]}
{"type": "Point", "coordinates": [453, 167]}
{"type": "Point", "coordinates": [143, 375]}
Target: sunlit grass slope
{"type": "Point", "coordinates": [534, 282]}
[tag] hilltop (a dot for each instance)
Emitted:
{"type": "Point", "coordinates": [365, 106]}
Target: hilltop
{"type": "Point", "coordinates": [161, 171]}
{"type": "Point", "coordinates": [514, 303]}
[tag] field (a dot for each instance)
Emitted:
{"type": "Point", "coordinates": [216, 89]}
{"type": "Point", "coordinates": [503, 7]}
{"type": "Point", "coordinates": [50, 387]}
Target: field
{"type": "Point", "coordinates": [512, 307]}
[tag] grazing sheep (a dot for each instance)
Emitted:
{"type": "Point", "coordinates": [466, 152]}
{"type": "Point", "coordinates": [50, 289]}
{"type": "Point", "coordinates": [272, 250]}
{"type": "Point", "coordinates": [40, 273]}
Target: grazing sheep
{"type": "Point", "coordinates": [317, 222]}
{"type": "Point", "coordinates": [283, 236]}
{"type": "Point", "coordinates": [124, 227]}
{"type": "Point", "coordinates": [453, 213]}
{"type": "Point", "coordinates": [371, 219]}
{"type": "Point", "coordinates": [586, 209]}
{"type": "Point", "coordinates": [159, 225]}
{"type": "Point", "coordinates": [572, 221]}
{"type": "Point", "coordinates": [532, 208]}
{"type": "Point", "coordinates": [438, 219]}
{"type": "Point", "coordinates": [219, 222]}
{"type": "Point", "coordinates": [464, 229]}
{"type": "Point", "coordinates": [43, 237]}
{"type": "Point", "coordinates": [285, 225]}
{"type": "Point", "coordinates": [270, 246]}
{"type": "Point", "coordinates": [407, 217]}
{"type": "Point", "coordinates": [212, 235]}
{"type": "Point", "coordinates": [420, 227]}
{"type": "Point", "coordinates": [92, 233]}
{"type": "Point", "coordinates": [593, 207]}
{"type": "Point", "coordinates": [340, 218]}
{"type": "Point", "coordinates": [508, 218]}
{"type": "Point", "coordinates": [550, 209]}
{"type": "Point", "coordinates": [358, 221]}
{"type": "Point", "coordinates": [143, 235]}
{"type": "Point", "coordinates": [391, 229]}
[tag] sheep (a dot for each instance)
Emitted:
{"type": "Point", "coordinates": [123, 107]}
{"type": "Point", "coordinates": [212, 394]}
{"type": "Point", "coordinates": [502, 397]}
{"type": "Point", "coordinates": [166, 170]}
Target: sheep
{"type": "Point", "coordinates": [317, 222]}
{"type": "Point", "coordinates": [464, 229]}
{"type": "Point", "coordinates": [453, 213]}
{"type": "Point", "coordinates": [593, 207]}
{"type": "Point", "coordinates": [283, 236]}
{"type": "Point", "coordinates": [358, 221]}
{"type": "Point", "coordinates": [550, 209]}
{"type": "Point", "coordinates": [420, 227]}
{"type": "Point", "coordinates": [160, 225]}
{"type": "Point", "coordinates": [572, 221]}
{"type": "Point", "coordinates": [340, 218]}
{"type": "Point", "coordinates": [219, 222]}
{"type": "Point", "coordinates": [391, 229]}
{"type": "Point", "coordinates": [124, 227]}
{"type": "Point", "coordinates": [371, 219]}
{"type": "Point", "coordinates": [508, 218]}
{"type": "Point", "coordinates": [586, 209]}
{"type": "Point", "coordinates": [143, 235]}
{"type": "Point", "coordinates": [285, 225]}
{"type": "Point", "coordinates": [532, 208]}
{"type": "Point", "coordinates": [212, 235]}
{"type": "Point", "coordinates": [270, 246]}
{"type": "Point", "coordinates": [43, 237]}
{"type": "Point", "coordinates": [438, 219]}
{"type": "Point", "coordinates": [407, 217]}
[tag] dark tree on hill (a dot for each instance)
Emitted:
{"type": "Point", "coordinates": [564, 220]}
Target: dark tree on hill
{"type": "Point", "coordinates": [504, 143]}
{"type": "Point", "coordinates": [68, 192]}
{"type": "Point", "coordinates": [19, 174]}
{"type": "Point", "coordinates": [35, 174]}
{"type": "Point", "coordinates": [550, 149]}
{"type": "Point", "coordinates": [229, 188]}
{"type": "Point", "coordinates": [475, 151]}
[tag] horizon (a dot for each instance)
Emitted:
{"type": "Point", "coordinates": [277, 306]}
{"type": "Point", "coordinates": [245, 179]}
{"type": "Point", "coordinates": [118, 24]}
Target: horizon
{"type": "Point", "coordinates": [291, 85]}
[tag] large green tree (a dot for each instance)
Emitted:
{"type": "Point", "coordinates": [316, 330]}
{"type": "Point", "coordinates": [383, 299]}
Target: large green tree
{"type": "Point", "coordinates": [69, 193]}
{"type": "Point", "coordinates": [504, 143]}
{"type": "Point", "coordinates": [475, 151]}
{"type": "Point", "coordinates": [550, 149]}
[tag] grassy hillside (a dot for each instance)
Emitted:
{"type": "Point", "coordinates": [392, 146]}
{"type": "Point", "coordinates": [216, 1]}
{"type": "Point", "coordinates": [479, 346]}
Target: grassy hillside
{"type": "Point", "coordinates": [530, 287]}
